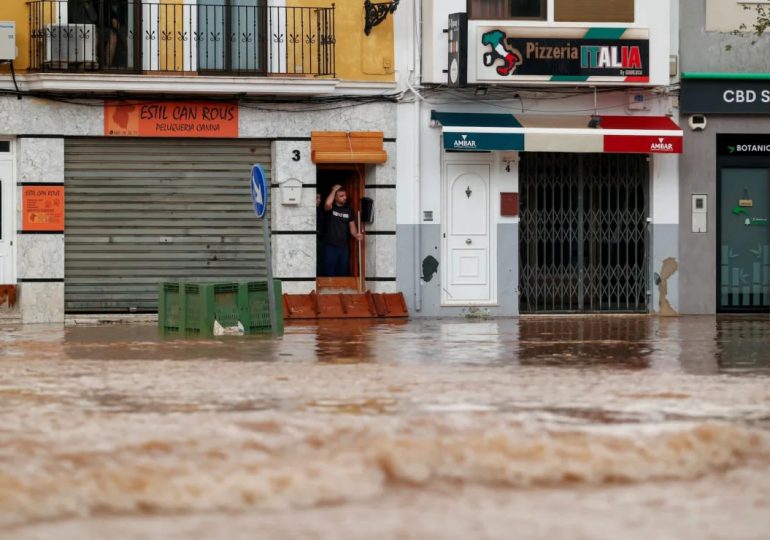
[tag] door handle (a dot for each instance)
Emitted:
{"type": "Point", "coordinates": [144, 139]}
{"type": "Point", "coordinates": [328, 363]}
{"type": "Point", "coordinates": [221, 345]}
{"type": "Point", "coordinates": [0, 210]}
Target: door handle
{"type": "Point", "coordinates": [468, 241]}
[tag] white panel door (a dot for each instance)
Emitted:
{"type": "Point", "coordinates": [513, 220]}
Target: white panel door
{"type": "Point", "coordinates": [6, 224]}
{"type": "Point", "coordinates": [467, 235]}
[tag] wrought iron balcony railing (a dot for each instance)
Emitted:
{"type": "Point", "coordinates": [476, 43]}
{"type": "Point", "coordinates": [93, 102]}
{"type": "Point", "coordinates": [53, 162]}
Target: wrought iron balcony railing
{"type": "Point", "coordinates": [221, 37]}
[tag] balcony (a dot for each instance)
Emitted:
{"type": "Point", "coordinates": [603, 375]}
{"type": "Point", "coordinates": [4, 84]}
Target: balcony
{"type": "Point", "coordinates": [225, 38]}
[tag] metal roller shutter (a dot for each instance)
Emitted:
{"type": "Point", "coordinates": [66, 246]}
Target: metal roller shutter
{"type": "Point", "coordinates": [583, 238]}
{"type": "Point", "coordinates": [141, 211]}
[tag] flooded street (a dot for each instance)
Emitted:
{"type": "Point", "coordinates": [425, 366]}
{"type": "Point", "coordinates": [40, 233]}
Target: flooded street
{"type": "Point", "coordinates": [590, 427]}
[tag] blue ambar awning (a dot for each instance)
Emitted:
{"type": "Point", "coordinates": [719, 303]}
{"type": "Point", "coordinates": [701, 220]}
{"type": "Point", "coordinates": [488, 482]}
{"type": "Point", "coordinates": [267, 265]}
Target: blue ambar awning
{"type": "Point", "coordinates": [475, 119]}
{"type": "Point", "coordinates": [477, 140]}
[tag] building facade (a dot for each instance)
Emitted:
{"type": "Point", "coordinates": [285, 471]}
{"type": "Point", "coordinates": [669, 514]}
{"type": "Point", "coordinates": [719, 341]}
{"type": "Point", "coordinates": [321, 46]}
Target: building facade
{"type": "Point", "coordinates": [725, 173]}
{"type": "Point", "coordinates": [538, 158]}
{"type": "Point", "coordinates": [129, 129]}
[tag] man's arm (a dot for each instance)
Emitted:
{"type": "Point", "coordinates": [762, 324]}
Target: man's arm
{"type": "Point", "coordinates": [330, 199]}
{"type": "Point", "coordinates": [354, 231]}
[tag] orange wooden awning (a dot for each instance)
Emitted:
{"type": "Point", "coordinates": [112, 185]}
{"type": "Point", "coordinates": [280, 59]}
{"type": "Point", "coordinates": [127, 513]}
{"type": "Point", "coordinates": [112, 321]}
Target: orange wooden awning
{"type": "Point", "coordinates": [347, 147]}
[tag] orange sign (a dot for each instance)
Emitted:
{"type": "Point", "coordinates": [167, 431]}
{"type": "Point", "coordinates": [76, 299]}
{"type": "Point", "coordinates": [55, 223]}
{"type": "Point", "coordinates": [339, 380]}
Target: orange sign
{"type": "Point", "coordinates": [43, 208]}
{"type": "Point", "coordinates": [170, 119]}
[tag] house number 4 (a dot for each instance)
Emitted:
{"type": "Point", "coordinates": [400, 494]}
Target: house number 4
{"type": "Point", "coordinates": [295, 156]}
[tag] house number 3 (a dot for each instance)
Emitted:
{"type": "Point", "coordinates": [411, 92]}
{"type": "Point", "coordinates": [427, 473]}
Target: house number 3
{"type": "Point", "coordinates": [295, 156]}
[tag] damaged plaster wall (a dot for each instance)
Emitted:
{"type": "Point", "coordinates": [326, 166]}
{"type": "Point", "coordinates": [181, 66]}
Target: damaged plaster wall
{"type": "Point", "coordinates": [665, 273]}
{"type": "Point", "coordinates": [667, 270]}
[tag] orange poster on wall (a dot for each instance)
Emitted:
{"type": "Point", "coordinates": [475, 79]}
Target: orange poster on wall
{"type": "Point", "coordinates": [43, 208]}
{"type": "Point", "coordinates": [170, 119]}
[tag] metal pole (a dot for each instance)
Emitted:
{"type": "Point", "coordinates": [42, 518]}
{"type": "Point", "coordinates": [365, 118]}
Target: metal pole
{"type": "Point", "coordinates": [270, 284]}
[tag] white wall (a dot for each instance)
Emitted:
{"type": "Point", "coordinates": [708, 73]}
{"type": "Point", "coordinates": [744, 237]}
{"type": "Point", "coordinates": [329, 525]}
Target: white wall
{"type": "Point", "coordinates": [406, 24]}
{"type": "Point", "coordinates": [435, 47]}
{"type": "Point", "coordinates": [665, 189]}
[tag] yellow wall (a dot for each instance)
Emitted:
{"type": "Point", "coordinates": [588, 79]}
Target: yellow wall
{"type": "Point", "coordinates": [16, 10]}
{"type": "Point", "coordinates": [358, 57]}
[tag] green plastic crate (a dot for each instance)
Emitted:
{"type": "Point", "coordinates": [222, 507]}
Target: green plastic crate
{"type": "Point", "coordinates": [255, 312]}
{"type": "Point", "coordinates": [191, 308]}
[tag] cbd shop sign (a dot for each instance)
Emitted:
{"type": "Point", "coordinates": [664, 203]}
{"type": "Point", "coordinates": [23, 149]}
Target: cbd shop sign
{"type": "Point", "coordinates": [748, 96]}
{"type": "Point", "coordinates": [725, 96]}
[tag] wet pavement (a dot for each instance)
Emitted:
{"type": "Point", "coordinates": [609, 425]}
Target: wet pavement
{"type": "Point", "coordinates": [542, 427]}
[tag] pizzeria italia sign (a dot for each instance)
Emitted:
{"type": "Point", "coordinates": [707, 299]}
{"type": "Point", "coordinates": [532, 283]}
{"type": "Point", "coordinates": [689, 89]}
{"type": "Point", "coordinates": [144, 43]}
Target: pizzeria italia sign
{"type": "Point", "coordinates": [512, 54]}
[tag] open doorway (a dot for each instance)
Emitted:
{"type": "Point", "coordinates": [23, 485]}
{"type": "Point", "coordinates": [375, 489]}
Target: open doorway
{"type": "Point", "coordinates": [352, 179]}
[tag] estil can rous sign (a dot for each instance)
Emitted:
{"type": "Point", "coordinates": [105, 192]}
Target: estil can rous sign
{"type": "Point", "coordinates": [42, 208]}
{"type": "Point", "coordinates": [170, 119]}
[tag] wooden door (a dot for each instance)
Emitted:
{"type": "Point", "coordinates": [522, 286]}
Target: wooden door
{"type": "Point", "coordinates": [352, 178]}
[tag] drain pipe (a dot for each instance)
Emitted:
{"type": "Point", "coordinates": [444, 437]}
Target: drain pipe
{"type": "Point", "coordinates": [415, 72]}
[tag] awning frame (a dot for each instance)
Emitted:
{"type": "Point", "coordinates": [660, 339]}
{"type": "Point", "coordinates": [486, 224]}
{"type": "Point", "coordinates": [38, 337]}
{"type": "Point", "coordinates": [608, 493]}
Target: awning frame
{"type": "Point", "coordinates": [480, 132]}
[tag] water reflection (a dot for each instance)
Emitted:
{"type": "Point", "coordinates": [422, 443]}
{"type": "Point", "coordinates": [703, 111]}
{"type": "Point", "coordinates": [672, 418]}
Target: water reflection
{"type": "Point", "coordinates": [143, 342]}
{"type": "Point", "coordinates": [624, 342]}
{"type": "Point", "coordinates": [346, 341]}
{"type": "Point", "coordinates": [696, 345]}
{"type": "Point", "coordinates": [743, 343]}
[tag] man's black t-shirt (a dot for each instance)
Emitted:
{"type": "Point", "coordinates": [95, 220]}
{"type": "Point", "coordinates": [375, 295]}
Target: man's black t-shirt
{"type": "Point", "coordinates": [337, 225]}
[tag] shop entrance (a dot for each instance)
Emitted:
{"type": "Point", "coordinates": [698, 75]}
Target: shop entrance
{"type": "Point", "coordinates": [352, 179]}
{"type": "Point", "coordinates": [744, 238]}
{"type": "Point", "coordinates": [7, 212]}
{"type": "Point", "coordinates": [583, 244]}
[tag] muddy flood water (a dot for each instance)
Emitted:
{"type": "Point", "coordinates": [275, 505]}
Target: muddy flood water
{"type": "Point", "coordinates": [574, 428]}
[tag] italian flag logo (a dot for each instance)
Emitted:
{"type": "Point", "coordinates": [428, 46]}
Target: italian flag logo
{"type": "Point", "coordinates": [511, 57]}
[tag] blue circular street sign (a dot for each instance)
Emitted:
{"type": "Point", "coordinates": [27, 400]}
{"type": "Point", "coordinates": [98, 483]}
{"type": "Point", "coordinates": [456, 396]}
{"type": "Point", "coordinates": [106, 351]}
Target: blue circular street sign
{"type": "Point", "coordinates": [258, 190]}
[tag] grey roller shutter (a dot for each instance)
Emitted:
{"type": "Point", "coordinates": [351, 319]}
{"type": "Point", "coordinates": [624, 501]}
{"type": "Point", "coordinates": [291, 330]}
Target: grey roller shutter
{"type": "Point", "coordinates": [142, 211]}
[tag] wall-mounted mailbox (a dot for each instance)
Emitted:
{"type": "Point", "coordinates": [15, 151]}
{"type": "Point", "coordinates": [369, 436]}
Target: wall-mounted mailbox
{"type": "Point", "coordinates": [509, 204]}
{"type": "Point", "coordinates": [367, 210]}
{"type": "Point", "coordinates": [699, 213]}
{"type": "Point", "coordinates": [291, 191]}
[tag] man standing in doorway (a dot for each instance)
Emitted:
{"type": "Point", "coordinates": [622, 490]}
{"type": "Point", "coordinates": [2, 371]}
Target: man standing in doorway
{"type": "Point", "coordinates": [339, 223]}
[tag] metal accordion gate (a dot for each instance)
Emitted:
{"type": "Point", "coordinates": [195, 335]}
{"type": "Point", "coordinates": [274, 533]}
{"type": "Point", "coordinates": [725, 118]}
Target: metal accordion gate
{"type": "Point", "coordinates": [583, 242]}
